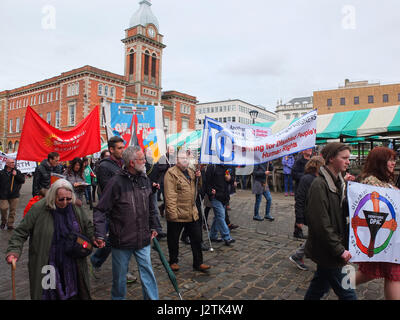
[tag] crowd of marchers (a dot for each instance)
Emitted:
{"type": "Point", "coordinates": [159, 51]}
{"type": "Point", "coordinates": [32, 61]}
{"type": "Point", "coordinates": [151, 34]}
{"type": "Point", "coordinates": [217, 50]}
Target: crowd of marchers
{"type": "Point", "coordinates": [134, 192]}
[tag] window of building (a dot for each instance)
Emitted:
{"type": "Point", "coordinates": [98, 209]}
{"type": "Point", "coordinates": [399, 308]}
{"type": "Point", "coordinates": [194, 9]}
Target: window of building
{"type": "Point", "coordinates": [51, 96]}
{"type": "Point", "coordinates": [57, 119]}
{"type": "Point", "coordinates": [385, 98]}
{"type": "Point", "coordinates": [329, 102]}
{"type": "Point", "coordinates": [233, 119]}
{"type": "Point", "coordinates": [356, 100]}
{"type": "Point", "coordinates": [153, 65]}
{"type": "Point", "coordinates": [100, 90]}
{"type": "Point", "coordinates": [48, 96]}
{"type": "Point", "coordinates": [398, 97]}
{"type": "Point", "coordinates": [295, 115]}
{"type": "Point", "coordinates": [48, 118]}
{"type": "Point", "coordinates": [342, 101]}
{"type": "Point", "coordinates": [146, 63]}
{"type": "Point", "coordinates": [185, 124]}
{"type": "Point", "coordinates": [11, 126]}
{"type": "Point", "coordinates": [287, 116]}
{"type": "Point", "coordinates": [71, 114]}
{"type": "Point", "coordinates": [131, 63]}
{"type": "Point", "coordinates": [106, 91]}
{"type": "Point", "coordinates": [17, 125]}
{"type": "Point", "coordinates": [57, 95]}
{"type": "Point", "coordinates": [112, 92]}
{"type": "Point", "coordinates": [166, 124]}
{"type": "Point", "coordinates": [185, 109]}
{"type": "Point", "coordinates": [370, 99]}
{"type": "Point", "coordinates": [34, 100]}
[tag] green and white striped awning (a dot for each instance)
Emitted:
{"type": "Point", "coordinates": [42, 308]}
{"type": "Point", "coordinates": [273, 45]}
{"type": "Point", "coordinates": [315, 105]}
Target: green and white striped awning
{"type": "Point", "coordinates": [360, 123]}
{"type": "Point", "coordinates": [188, 139]}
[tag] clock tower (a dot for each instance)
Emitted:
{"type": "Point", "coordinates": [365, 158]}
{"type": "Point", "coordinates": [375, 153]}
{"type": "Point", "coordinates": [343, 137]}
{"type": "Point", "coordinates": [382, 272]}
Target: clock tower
{"type": "Point", "coordinates": [143, 56]}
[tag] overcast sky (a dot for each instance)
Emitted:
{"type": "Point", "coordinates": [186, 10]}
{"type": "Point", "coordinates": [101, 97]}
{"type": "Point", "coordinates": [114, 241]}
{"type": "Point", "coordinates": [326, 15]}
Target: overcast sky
{"type": "Point", "coordinates": [259, 51]}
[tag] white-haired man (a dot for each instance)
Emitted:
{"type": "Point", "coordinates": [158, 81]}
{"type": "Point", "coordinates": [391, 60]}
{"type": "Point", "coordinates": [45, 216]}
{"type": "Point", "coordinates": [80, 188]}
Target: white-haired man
{"type": "Point", "coordinates": [126, 201]}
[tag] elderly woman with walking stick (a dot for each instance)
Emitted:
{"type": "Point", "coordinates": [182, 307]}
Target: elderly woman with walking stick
{"type": "Point", "coordinates": [59, 233]}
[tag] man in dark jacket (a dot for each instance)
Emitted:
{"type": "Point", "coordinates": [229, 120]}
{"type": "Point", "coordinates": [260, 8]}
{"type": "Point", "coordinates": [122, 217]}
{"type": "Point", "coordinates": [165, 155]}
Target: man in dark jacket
{"type": "Point", "coordinates": [167, 161]}
{"type": "Point", "coordinates": [126, 201]}
{"type": "Point", "coordinates": [11, 181]}
{"type": "Point", "coordinates": [154, 174]}
{"type": "Point", "coordinates": [108, 168]}
{"type": "Point", "coordinates": [298, 167]}
{"type": "Point", "coordinates": [42, 175]}
{"type": "Point", "coordinates": [326, 244]}
{"type": "Point", "coordinates": [218, 179]}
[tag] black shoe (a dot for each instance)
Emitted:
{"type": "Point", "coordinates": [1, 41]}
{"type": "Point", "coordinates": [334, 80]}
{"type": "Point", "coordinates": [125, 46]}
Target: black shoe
{"type": "Point", "coordinates": [204, 247]}
{"type": "Point", "coordinates": [269, 218]}
{"type": "Point", "coordinates": [2, 226]}
{"type": "Point", "coordinates": [186, 240]}
{"type": "Point", "coordinates": [258, 218]}
{"type": "Point", "coordinates": [229, 242]}
{"type": "Point", "coordinates": [216, 240]}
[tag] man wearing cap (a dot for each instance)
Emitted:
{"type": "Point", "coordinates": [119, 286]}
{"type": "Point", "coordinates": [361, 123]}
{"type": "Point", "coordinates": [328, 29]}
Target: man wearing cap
{"type": "Point", "coordinates": [326, 216]}
{"type": "Point", "coordinates": [11, 180]}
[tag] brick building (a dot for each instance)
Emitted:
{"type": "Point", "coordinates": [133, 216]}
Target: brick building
{"type": "Point", "coordinates": [356, 95]}
{"type": "Point", "coordinates": [66, 99]}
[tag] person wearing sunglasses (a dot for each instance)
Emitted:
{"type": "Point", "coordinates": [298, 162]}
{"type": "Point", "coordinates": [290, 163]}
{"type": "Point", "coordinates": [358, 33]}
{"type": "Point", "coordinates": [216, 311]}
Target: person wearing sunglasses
{"type": "Point", "coordinates": [48, 224]}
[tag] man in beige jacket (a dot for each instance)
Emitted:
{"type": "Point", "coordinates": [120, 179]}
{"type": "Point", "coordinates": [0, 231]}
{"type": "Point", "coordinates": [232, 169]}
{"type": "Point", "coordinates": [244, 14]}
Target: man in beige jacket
{"type": "Point", "coordinates": [180, 208]}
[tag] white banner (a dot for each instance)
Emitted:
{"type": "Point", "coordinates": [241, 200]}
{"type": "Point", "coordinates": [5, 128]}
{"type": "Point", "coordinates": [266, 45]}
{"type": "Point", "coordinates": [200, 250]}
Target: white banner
{"type": "Point", "coordinates": [374, 235]}
{"type": "Point", "coordinates": [236, 144]}
{"type": "Point", "coordinates": [21, 165]}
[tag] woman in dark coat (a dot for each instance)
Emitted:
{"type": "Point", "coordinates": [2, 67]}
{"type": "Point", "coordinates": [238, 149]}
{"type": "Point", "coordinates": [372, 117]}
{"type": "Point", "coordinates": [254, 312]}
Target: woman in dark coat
{"type": "Point", "coordinates": [311, 172]}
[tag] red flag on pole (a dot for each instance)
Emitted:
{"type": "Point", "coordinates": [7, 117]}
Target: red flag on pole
{"type": "Point", "coordinates": [38, 138]}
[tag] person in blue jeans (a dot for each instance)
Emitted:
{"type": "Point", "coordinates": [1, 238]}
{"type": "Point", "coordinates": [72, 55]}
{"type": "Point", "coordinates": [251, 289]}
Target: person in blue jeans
{"type": "Point", "coordinates": [218, 179]}
{"type": "Point", "coordinates": [260, 189]}
{"type": "Point", "coordinates": [132, 218]}
{"type": "Point", "coordinates": [287, 163]}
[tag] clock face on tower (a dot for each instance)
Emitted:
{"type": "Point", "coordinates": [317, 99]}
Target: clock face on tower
{"type": "Point", "coordinates": [151, 33]}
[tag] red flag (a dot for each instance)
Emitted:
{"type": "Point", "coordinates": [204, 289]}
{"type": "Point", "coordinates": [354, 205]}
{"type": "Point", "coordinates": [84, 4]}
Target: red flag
{"type": "Point", "coordinates": [38, 138]}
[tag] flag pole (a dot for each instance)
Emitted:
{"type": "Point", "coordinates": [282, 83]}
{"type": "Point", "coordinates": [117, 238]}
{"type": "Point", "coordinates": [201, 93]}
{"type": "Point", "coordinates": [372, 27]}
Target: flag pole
{"type": "Point", "coordinates": [104, 117]}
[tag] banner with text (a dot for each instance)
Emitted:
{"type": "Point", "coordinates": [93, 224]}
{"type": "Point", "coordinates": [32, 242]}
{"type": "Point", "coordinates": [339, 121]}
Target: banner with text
{"type": "Point", "coordinates": [139, 125]}
{"type": "Point", "coordinates": [374, 235]}
{"type": "Point", "coordinates": [237, 144]}
{"type": "Point", "coordinates": [21, 165]}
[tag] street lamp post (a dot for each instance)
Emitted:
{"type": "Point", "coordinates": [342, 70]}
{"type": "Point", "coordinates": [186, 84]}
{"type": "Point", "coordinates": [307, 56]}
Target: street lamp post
{"type": "Point", "coordinates": [253, 115]}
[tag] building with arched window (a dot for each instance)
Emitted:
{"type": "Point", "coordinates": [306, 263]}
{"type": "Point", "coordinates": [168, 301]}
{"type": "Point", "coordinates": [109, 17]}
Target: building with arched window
{"type": "Point", "coordinates": [66, 99]}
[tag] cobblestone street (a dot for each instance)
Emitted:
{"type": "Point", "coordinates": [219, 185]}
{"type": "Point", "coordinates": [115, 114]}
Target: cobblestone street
{"type": "Point", "coordinates": [255, 267]}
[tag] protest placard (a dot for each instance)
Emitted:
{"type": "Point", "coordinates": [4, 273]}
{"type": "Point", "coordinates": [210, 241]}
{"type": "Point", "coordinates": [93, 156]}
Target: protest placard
{"type": "Point", "coordinates": [374, 235]}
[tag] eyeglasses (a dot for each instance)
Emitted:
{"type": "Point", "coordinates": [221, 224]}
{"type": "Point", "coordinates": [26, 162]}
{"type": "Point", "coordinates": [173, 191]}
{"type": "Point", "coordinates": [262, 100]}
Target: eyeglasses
{"type": "Point", "coordinates": [63, 199]}
{"type": "Point", "coordinates": [140, 159]}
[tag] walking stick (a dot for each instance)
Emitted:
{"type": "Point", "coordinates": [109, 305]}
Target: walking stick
{"type": "Point", "coordinates": [205, 222]}
{"type": "Point", "coordinates": [13, 267]}
{"type": "Point", "coordinates": [204, 217]}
